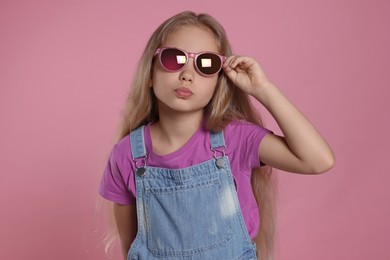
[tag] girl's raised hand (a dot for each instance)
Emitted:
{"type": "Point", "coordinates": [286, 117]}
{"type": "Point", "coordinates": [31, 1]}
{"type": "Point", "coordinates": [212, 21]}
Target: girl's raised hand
{"type": "Point", "coordinates": [302, 149]}
{"type": "Point", "coordinates": [245, 73]}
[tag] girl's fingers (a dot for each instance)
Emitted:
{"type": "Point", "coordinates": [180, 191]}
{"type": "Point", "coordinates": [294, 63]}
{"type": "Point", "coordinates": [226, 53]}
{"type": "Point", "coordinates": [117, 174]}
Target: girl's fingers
{"type": "Point", "coordinates": [233, 61]}
{"type": "Point", "coordinates": [228, 61]}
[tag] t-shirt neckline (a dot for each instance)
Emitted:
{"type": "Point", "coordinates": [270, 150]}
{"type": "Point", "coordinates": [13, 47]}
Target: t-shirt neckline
{"type": "Point", "coordinates": [175, 154]}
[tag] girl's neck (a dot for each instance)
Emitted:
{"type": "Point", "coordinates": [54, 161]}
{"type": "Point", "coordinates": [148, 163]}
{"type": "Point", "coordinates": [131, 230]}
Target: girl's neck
{"type": "Point", "coordinates": [172, 131]}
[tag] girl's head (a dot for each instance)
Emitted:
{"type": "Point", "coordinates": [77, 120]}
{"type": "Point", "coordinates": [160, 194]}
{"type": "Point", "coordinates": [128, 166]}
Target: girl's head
{"type": "Point", "coordinates": [141, 106]}
{"type": "Point", "coordinates": [185, 74]}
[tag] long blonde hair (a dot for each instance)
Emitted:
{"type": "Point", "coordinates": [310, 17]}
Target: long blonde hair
{"type": "Point", "coordinates": [228, 103]}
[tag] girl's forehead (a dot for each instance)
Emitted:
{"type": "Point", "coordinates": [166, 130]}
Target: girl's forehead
{"type": "Point", "coordinates": [192, 38]}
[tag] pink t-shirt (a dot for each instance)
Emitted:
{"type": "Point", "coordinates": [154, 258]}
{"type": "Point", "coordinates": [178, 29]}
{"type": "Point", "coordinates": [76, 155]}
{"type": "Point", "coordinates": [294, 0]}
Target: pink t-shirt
{"type": "Point", "coordinates": [242, 141]}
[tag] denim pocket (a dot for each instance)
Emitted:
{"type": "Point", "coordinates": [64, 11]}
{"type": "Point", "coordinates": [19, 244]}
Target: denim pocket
{"type": "Point", "coordinates": [186, 219]}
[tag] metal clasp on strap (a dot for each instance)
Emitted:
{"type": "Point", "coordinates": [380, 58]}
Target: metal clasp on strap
{"type": "Point", "coordinates": [141, 170]}
{"type": "Point", "coordinates": [217, 150]}
{"type": "Point", "coordinates": [219, 161]}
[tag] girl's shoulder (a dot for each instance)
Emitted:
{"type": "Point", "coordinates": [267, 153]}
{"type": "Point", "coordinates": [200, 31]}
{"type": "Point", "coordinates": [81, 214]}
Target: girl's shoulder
{"type": "Point", "coordinates": [239, 122]}
{"type": "Point", "coordinates": [243, 125]}
{"type": "Point", "coordinates": [239, 131]}
{"type": "Point", "coordinates": [121, 149]}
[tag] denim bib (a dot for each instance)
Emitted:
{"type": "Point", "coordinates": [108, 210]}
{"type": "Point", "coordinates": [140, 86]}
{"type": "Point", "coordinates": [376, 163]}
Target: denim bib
{"type": "Point", "coordinates": [189, 213]}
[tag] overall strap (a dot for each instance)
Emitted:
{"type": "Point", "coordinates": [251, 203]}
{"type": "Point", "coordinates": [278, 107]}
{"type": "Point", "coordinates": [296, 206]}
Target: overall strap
{"type": "Point", "coordinates": [217, 140]}
{"type": "Point", "coordinates": [137, 143]}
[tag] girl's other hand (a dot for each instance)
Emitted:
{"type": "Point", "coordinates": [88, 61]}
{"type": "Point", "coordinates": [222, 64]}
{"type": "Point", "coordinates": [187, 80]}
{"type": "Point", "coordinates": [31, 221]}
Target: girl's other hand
{"type": "Point", "coordinates": [245, 73]}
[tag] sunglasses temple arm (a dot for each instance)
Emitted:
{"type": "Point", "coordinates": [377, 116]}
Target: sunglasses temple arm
{"type": "Point", "coordinates": [157, 52]}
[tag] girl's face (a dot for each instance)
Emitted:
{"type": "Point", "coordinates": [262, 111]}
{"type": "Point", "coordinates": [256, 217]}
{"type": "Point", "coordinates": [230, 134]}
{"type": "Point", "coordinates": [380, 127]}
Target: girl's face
{"type": "Point", "coordinates": [185, 90]}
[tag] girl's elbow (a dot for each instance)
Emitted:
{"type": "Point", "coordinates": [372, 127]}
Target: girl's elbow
{"type": "Point", "coordinates": [325, 164]}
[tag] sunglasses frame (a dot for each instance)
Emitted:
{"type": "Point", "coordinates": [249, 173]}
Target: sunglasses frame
{"type": "Point", "coordinates": [188, 55]}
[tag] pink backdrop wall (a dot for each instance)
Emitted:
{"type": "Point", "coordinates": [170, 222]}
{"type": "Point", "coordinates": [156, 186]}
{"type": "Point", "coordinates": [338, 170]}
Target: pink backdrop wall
{"type": "Point", "coordinates": [65, 68]}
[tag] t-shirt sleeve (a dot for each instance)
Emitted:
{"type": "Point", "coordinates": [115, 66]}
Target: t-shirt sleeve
{"type": "Point", "coordinates": [114, 184]}
{"type": "Point", "coordinates": [249, 137]}
{"type": "Point", "coordinates": [255, 135]}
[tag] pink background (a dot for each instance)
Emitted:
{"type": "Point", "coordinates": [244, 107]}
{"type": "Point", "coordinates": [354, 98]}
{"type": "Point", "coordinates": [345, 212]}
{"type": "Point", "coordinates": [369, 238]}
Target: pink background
{"type": "Point", "coordinates": [65, 69]}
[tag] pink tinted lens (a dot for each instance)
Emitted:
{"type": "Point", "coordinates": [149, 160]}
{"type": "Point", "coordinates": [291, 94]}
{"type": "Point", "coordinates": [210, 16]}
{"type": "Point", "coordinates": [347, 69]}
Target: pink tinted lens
{"type": "Point", "coordinates": [209, 63]}
{"type": "Point", "coordinates": [173, 59]}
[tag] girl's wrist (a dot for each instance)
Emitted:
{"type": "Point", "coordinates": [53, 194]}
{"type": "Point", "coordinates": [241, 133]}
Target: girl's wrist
{"type": "Point", "coordinates": [265, 92]}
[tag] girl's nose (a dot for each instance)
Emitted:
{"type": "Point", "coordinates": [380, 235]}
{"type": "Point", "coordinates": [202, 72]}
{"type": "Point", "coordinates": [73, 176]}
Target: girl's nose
{"type": "Point", "coordinates": [187, 74]}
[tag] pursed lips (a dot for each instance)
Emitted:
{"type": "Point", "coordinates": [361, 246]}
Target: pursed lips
{"type": "Point", "coordinates": [183, 92]}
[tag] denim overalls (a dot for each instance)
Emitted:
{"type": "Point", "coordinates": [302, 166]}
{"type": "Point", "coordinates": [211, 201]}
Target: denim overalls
{"type": "Point", "coordinates": [190, 213]}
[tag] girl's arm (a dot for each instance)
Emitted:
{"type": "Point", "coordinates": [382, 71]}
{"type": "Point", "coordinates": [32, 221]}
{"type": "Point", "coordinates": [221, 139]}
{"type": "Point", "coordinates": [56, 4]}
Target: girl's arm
{"type": "Point", "coordinates": [126, 221]}
{"type": "Point", "coordinates": [302, 149]}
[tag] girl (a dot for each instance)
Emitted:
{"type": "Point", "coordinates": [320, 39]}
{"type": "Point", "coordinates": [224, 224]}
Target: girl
{"type": "Point", "coordinates": [190, 146]}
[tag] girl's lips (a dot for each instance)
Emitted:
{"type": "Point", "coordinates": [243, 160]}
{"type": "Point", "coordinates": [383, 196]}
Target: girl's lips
{"type": "Point", "coordinates": [183, 92]}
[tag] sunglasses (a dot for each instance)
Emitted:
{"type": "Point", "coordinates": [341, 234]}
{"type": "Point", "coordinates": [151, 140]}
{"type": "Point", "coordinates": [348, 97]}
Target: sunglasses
{"type": "Point", "coordinates": [206, 63]}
